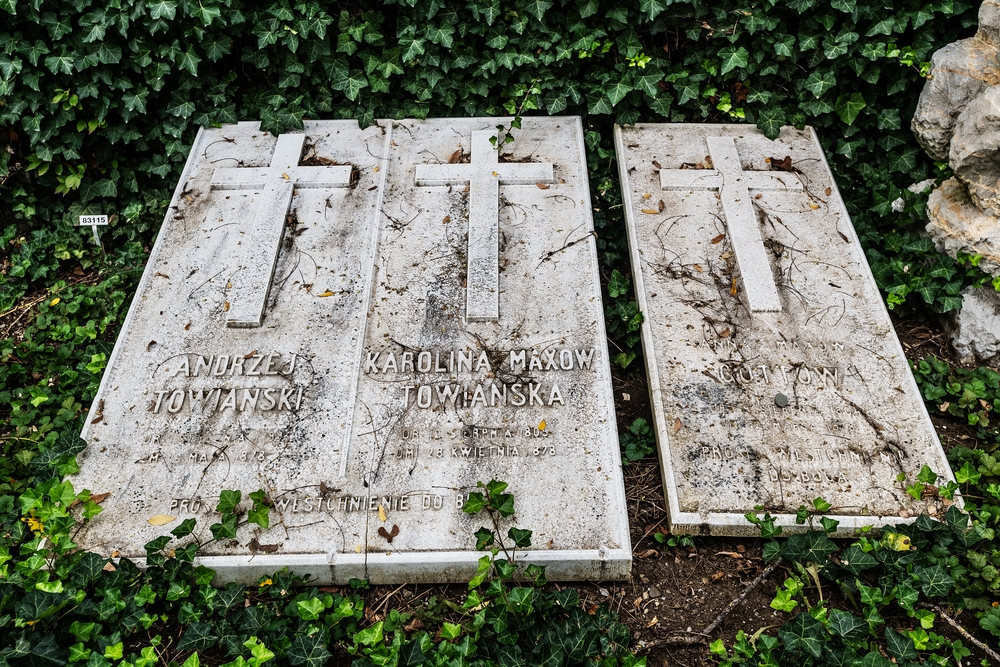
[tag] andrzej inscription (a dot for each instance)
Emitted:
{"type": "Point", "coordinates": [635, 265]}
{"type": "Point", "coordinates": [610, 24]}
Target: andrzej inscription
{"type": "Point", "coordinates": [365, 324]}
{"type": "Point", "coordinates": [775, 374]}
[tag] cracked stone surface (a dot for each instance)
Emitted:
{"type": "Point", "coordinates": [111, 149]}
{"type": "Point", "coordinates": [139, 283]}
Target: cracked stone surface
{"type": "Point", "coordinates": [776, 407]}
{"type": "Point", "coordinates": [303, 327]}
{"type": "Point", "coordinates": [974, 331]}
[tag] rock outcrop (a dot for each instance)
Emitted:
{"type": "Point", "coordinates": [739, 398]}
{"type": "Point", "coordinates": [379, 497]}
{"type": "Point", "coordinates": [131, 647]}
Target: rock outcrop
{"type": "Point", "coordinates": [958, 120]}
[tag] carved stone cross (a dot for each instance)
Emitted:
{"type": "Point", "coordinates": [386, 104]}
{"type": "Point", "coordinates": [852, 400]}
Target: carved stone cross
{"type": "Point", "coordinates": [252, 283]}
{"type": "Point", "coordinates": [484, 175]}
{"type": "Point", "coordinates": [734, 187]}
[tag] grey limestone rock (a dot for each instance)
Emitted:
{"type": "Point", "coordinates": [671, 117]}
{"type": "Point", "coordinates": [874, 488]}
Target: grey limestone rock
{"type": "Point", "coordinates": [974, 331]}
{"type": "Point", "coordinates": [975, 149]}
{"type": "Point", "coordinates": [957, 226]}
{"type": "Point", "coordinates": [961, 72]}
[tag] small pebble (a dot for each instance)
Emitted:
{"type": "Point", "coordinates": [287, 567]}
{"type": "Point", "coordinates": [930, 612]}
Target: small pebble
{"type": "Point", "coordinates": [654, 592]}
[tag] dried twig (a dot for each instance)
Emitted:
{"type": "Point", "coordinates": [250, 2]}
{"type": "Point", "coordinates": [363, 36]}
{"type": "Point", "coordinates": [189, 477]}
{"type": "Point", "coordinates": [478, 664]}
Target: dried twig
{"type": "Point", "coordinates": [962, 631]}
{"type": "Point", "coordinates": [702, 637]}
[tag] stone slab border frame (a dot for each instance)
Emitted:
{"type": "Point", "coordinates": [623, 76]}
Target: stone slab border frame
{"type": "Point", "coordinates": [722, 523]}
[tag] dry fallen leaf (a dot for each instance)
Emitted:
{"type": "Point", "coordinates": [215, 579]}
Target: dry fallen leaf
{"type": "Point", "coordinates": [455, 157]}
{"type": "Point", "coordinates": [541, 425]}
{"type": "Point", "coordinates": [109, 567]}
{"type": "Point", "coordinates": [661, 206]}
{"type": "Point", "coordinates": [326, 293]}
{"type": "Point", "coordinates": [758, 195]}
{"type": "Point", "coordinates": [677, 424]}
{"type": "Point", "coordinates": [650, 211]}
{"type": "Point", "coordinates": [387, 534]}
{"type": "Point", "coordinates": [375, 169]}
{"type": "Point", "coordinates": [187, 326]}
{"type": "Point", "coordinates": [160, 519]}
{"type": "Point", "coordinates": [697, 267]}
{"type": "Point", "coordinates": [731, 554]}
{"type": "Point", "coordinates": [732, 290]}
{"type": "Point", "coordinates": [357, 550]}
{"type": "Point", "coordinates": [285, 176]}
{"type": "Point", "coordinates": [647, 553]}
{"type": "Point", "coordinates": [99, 498]}
{"type": "Point", "coordinates": [653, 622]}
{"type": "Point", "coordinates": [446, 219]}
{"type": "Point", "coordinates": [647, 196]}
{"type": "Point", "coordinates": [828, 192]}
{"type": "Point", "coordinates": [249, 355]}
{"type": "Point", "coordinates": [725, 333]}
{"type": "Point", "coordinates": [717, 576]}
{"type": "Point", "coordinates": [53, 302]}
{"type": "Point", "coordinates": [657, 164]}
{"type": "Point", "coordinates": [814, 206]}
{"type": "Point", "coordinates": [718, 239]}
{"type": "Point", "coordinates": [542, 186]}
{"type": "Point", "coordinates": [162, 275]}
{"type": "Point", "coordinates": [381, 513]}
{"type": "Point", "coordinates": [225, 307]}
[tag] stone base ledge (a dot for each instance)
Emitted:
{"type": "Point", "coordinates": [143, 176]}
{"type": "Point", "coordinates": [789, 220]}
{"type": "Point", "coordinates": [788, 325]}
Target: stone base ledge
{"type": "Point", "coordinates": [957, 226]}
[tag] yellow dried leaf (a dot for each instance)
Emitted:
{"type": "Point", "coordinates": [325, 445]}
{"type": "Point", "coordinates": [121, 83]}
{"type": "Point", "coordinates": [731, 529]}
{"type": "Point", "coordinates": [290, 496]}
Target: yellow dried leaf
{"type": "Point", "coordinates": [541, 425]}
{"type": "Point", "coordinates": [285, 176]}
{"type": "Point", "coordinates": [647, 196]}
{"type": "Point", "coordinates": [381, 514]}
{"type": "Point", "coordinates": [814, 206]}
{"type": "Point", "coordinates": [357, 549]}
{"type": "Point", "coordinates": [160, 519]}
{"type": "Point", "coordinates": [677, 424]}
{"type": "Point", "coordinates": [828, 192]}
{"type": "Point", "coordinates": [374, 169]}
{"type": "Point", "coordinates": [697, 267]}
{"type": "Point", "coordinates": [718, 239]}
{"type": "Point", "coordinates": [109, 567]}
{"type": "Point", "coordinates": [650, 211]}
{"type": "Point", "coordinates": [732, 290]}
{"type": "Point", "coordinates": [225, 307]}
{"type": "Point", "coordinates": [54, 302]}
{"type": "Point", "coordinates": [326, 293]}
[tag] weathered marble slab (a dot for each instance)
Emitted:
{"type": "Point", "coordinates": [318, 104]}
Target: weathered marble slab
{"type": "Point", "coordinates": [775, 374]}
{"type": "Point", "coordinates": [365, 323]}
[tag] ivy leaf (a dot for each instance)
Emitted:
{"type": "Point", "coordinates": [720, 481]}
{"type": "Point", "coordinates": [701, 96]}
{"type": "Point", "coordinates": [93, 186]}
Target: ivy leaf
{"type": "Point", "coordinates": [585, 7]}
{"type": "Point", "coordinates": [441, 34]}
{"type": "Point", "coordinates": [180, 106]}
{"type": "Point", "coordinates": [189, 60]}
{"type": "Point", "coordinates": [228, 500]}
{"type": "Point", "coordinates": [537, 8]}
{"type": "Point", "coordinates": [618, 285]}
{"type": "Point", "coordinates": [847, 625]}
{"type": "Point", "coordinates": [628, 43]}
{"type": "Point", "coordinates": [259, 515]}
{"type": "Point", "coordinates": [652, 8]}
{"type": "Point", "coordinates": [648, 80]}
{"type": "Point", "coordinates": [520, 537]}
{"type": "Point", "coordinates": [599, 104]}
{"type": "Point", "coordinates": [62, 64]}
{"type": "Point", "coordinates": [618, 90]}
{"type": "Point", "coordinates": [770, 122]}
{"type": "Point", "coordinates": [818, 83]}
{"type": "Point", "coordinates": [848, 108]}
{"type": "Point", "coordinates": [206, 14]}
{"type": "Point", "coordinates": [162, 9]}
{"type": "Point", "coordinates": [900, 647]}
{"type": "Point", "coordinates": [198, 636]}
{"type": "Point", "coordinates": [854, 559]}
{"type": "Point", "coordinates": [803, 634]}
{"type": "Point", "coordinates": [934, 580]}
{"type": "Point", "coordinates": [9, 6]}
{"type": "Point", "coordinates": [308, 651]}
{"type": "Point", "coordinates": [733, 57]}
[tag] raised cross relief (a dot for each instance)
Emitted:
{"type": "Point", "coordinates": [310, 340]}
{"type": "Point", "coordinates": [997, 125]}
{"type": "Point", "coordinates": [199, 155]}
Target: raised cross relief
{"type": "Point", "coordinates": [277, 183]}
{"type": "Point", "coordinates": [485, 174]}
{"type": "Point", "coordinates": [734, 187]}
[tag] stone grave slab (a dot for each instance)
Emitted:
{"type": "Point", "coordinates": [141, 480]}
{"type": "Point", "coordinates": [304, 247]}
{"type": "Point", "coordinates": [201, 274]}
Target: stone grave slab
{"type": "Point", "coordinates": [365, 324]}
{"type": "Point", "coordinates": [775, 374]}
